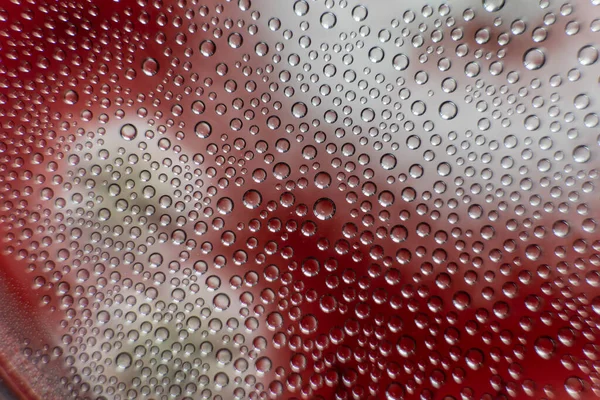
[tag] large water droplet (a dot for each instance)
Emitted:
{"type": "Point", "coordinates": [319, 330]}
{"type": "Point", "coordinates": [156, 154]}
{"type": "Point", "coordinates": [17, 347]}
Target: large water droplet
{"type": "Point", "coordinates": [534, 59]}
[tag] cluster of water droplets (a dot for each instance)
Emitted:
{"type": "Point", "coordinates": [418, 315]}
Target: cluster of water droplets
{"type": "Point", "coordinates": [305, 199]}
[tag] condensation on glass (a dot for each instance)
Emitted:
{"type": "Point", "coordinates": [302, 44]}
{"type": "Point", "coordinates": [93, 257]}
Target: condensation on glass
{"type": "Point", "coordinates": [312, 199]}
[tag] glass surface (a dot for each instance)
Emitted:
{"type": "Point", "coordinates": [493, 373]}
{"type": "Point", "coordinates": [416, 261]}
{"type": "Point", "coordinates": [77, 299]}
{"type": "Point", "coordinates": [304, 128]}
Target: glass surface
{"type": "Point", "coordinates": [311, 199]}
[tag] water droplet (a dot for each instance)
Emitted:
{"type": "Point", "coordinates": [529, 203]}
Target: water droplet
{"type": "Point", "coordinates": [301, 8]}
{"type": "Point", "coordinates": [474, 358]}
{"type": "Point", "coordinates": [203, 129]}
{"type": "Point", "coordinates": [150, 66]}
{"type": "Point", "coordinates": [299, 110]}
{"type": "Point", "coordinates": [128, 132]}
{"type": "Point", "coordinates": [448, 110]}
{"type": "Point", "coordinates": [388, 161]}
{"type": "Point", "coordinates": [124, 360]}
{"type": "Point", "coordinates": [208, 48]}
{"type": "Point", "coordinates": [328, 20]}
{"type": "Point", "coordinates": [71, 97]}
{"type": "Point", "coordinates": [261, 49]}
{"type": "Point", "coordinates": [574, 387]}
{"type": "Point", "coordinates": [493, 5]}
{"type": "Point", "coordinates": [224, 357]}
{"type": "Point", "coordinates": [394, 391]}
{"type": "Point", "coordinates": [252, 199]}
{"type": "Point", "coordinates": [582, 154]}
{"type": "Point", "coordinates": [263, 365]}
{"type": "Point", "coordinates": [367, 115]}
{"type": "Point", "coordinates": [406, 346]}
{"type": "Point", "coordinates": [376, 54]}
{"type": "Point", "coordinates": [324, 209]}
{"type": "Point", "coordinates": [400, 62]}
{"type": "Point", "coordinates": [545, 347]}
{"type": "Point", "coordinates": [235, 40]}
{"type": "Point", "coordinates": [534, 59]}
{"type": "Point", "coordinates": [587, 55]}
{"type": "Point", "coordinates": [221, 302]}
{"type": "Point", "coordinates": [359, 13]}
{"type": "Point", "coordinates": [561, 228]}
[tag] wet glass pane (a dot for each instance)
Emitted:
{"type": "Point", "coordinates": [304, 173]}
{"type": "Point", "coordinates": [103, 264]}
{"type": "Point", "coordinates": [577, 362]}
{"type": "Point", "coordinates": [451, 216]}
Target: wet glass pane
{"type": "Point", "coordinates": [311, 199]}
